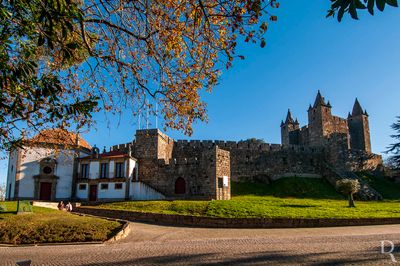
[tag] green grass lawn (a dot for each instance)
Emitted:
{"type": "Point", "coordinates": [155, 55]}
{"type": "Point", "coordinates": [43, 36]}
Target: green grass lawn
{"type": "Point", "coordinates": [264, 206]}
{"type": "Point", "coordinates": [287, 197]}
{"type": "Point", "coordinates": [296, 187]}
{"type": "Point", "coordinates": [52, 226]}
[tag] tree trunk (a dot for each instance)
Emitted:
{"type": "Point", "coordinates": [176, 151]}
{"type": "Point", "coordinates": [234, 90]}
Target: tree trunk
{"type": "Point", "coordinates": [351, 201]}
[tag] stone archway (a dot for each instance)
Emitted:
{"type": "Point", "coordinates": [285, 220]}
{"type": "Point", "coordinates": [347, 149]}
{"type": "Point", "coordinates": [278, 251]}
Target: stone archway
{"type": "Point", "coordinates": [180, 186]}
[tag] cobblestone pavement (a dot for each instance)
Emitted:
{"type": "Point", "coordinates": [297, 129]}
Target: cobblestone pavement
{"type": "Point", "coordinates": [152, 244]}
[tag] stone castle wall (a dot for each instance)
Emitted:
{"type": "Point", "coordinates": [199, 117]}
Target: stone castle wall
{"type": "Point", "coordinates": [256, 161]}
{"type": "Point", "coordinates": [327, 141]}
{"type": "Point", "coordinates": [162, 164]}
{"type": "Point", "coordinates": [200, 174]}
{"type": "Point", "coordinates": [249, 160]}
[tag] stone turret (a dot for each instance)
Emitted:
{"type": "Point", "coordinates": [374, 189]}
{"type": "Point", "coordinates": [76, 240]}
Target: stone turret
{"type": "Point", "coordinates": [359, 128]}
{"type": "Point", "coordinates": [319, 117]}
{"type": "Point", "coordinates": [290, 130]}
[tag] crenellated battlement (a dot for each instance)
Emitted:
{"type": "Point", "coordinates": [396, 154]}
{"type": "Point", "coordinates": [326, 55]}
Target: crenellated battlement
{"type": "Point", "coordinates": [122, 147]}
{"type": "Point", "coordinates": [182, 144]}
{"type": "Point", "coordinates": [242, 145]}
{"type": "Point", "coordinates": [201, 145]}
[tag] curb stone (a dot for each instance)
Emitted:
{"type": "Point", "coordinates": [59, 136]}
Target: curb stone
{"type": "Point", "coordinates": [51, 244]}
{"type": "Point", "coordinates": [124, 232]}
{"type": "Point", "coordinates": [214, 222]}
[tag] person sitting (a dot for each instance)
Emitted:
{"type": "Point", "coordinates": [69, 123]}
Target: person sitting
{"type": "Point", "coordinates": [61, 205]}
{"type": "Point", "coordinates": [69, 207]}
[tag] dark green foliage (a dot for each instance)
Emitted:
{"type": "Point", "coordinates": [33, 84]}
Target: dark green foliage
{"type": "Point", "coordinates": [352, 6]}
{"type": "Point", "coordinates": [348, 187]}
{"type": "Point", "coordinates": [37, 39]}
{"type": "Point", "coordinates": [288, 187]}
{"type": "Point", "coordinates": [394, 149]}
{"type": "Point", "coordinates": [384, 185]}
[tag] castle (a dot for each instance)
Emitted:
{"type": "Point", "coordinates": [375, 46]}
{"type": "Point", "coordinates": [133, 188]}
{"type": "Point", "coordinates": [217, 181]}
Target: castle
{"type": "Point", "coordinates": [154, 166]}
{"type": "Point", "coordinates": [323, 128]}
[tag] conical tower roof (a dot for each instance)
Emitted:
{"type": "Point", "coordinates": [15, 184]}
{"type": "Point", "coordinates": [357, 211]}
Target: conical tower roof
{"type": "Point", "coordinates": [289, 118]}
{"type": "Point", "coordinates": [357, 109]}
{"type": "Point", "coordinates": [319, 100]}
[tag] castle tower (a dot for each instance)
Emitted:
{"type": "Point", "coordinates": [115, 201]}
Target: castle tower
{"type": "Point", "coordinates": [290, 130]}
{"type": "Point", "coordinates": [359, 128]}
{"type": "Point", "coordinates": [153, 144]}
{"type": "Point", "coordinates": [319, 121]}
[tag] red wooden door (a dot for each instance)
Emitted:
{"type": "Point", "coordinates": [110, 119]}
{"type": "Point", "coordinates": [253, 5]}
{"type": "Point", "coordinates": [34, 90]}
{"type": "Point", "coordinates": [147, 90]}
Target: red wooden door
{"type": "Point", "coordinates": [45, 191]}
{"type": "Point", "coordinates": [180, 186]}
{"type": "Point", "coordinates": [93, 193]}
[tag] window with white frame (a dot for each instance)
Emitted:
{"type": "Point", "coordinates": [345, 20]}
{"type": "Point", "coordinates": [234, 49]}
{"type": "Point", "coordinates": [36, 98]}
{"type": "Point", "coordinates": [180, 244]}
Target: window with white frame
{"type": "Point", "coordinates": [104, 170]}
{"type": "Point", "coordinates": [119, 169]}
{"type": "Point", "coordinates": [104, 186]}
{"type": "Point", "coordinates": [84, 170]}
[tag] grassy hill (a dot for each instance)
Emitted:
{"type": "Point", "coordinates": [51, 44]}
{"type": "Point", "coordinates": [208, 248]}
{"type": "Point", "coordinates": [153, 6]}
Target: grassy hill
{"type": "Point", "coordinates": [388, 189]}
{"type": "Point", "coordinates": [287, 197]}
{"type": "Point", "coordinates": [296, 187]}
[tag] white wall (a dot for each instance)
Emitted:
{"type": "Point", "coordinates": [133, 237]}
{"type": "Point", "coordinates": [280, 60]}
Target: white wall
{"type": "Point", "coordinates": [132, 172]}
{"type": "Point", "coordinates": [82, 194]}
{"type": "Point", "coordinates": [111, 166]}
{"type": "Point", "coordinates": [141, 191]}
{"type": "Point", "coordinates": [30, 158]}
{"type": "Point", "coordinates": [111, 192]}
{"type": "Point", "coordinates": [94, 168]}
{"type": "Point", "coordinates": [65, 171]}
{"type": "Point", "coordinates": [30, 166]}
{"type": "Point", "coordinates": [12, 165]}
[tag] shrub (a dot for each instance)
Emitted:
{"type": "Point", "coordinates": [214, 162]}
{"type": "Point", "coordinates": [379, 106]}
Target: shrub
{"type": "Point", "coordinates": [348, 187]}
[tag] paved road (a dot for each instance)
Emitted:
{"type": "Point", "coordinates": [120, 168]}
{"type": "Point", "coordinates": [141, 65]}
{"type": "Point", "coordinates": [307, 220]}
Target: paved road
{"type": "Point", "coordinates": [151, 244]}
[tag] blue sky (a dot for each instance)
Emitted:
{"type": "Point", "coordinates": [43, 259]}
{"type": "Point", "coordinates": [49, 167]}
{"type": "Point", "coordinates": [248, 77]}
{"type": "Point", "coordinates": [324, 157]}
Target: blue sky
{"type": "Point", "coordinates": [304, 52]}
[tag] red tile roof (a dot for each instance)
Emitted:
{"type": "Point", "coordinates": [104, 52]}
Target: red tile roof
{"type": "Point", "coordinates": [59, 137]}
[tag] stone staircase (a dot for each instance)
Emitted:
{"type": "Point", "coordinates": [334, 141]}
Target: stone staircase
{"type": "Point", "coordinates": [143, 191]}
{"type": "Point", "coordinates": [366, 192]}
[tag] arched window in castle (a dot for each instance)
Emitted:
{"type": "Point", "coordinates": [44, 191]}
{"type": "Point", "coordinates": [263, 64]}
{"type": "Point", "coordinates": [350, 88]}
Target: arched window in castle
{"type": "Point", "coordinates": [180, 186]}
